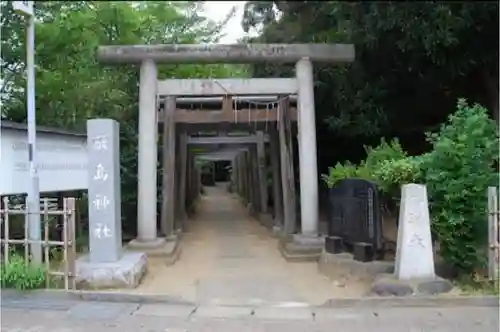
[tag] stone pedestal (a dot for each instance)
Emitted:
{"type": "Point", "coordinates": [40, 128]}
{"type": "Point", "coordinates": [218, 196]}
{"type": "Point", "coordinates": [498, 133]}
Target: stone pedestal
{"type": "Point", "coordinates": [301, 248]}
{"type": "Point", "coordinates": [330, 265]}
{"type": "Point", "coordinates": [166, 248]}
{"type": "Point", "coordinates": [363, 252]}
{"type": "Point", "coordinates": [334, 245]}
{"type": "Point", "coordinates": [389, 285]}
{"type": "Point", "coordinates": [127, 272]}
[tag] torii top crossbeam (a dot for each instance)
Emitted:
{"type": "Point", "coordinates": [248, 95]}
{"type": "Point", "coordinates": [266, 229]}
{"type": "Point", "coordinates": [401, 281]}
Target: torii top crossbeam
{"type": "Point", "coordinates": [233, 53]}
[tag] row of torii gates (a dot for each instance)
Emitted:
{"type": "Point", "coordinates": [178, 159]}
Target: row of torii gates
{"type": "Point", "coordinates": [289, 110]}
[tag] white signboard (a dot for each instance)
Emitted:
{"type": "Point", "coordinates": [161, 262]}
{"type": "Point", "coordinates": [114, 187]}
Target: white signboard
{"type": "Point", "coordinates": [23, 7]}
{"type": "Point", "coordinates": [61, 162]}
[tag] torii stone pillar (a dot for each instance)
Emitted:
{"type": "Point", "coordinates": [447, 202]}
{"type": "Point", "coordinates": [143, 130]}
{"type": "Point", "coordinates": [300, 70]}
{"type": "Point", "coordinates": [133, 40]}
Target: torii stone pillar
{"type": "Point", "coordinates": [307, 149]}
{"type": "Point", "coordinates": [147, 161]}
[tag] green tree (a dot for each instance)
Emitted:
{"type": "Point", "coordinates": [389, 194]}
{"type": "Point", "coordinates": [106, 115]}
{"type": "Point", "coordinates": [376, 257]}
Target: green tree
{"type": "Point", "coordinates": [413, 60]}
{"type": "Point", "coordinates": [71, 86]}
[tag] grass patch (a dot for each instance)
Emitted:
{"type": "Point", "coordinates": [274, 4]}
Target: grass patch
{"type": "Point", "coordinates": [478, 285]}
{"type": "Point", "coordinates": [21, 275]}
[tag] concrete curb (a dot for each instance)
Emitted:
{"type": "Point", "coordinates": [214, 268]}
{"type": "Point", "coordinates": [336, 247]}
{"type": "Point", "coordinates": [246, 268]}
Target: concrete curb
{"type": "Point", "coordinates": [363, 302]}
{"type": "Point", "coordinates": [97, 296]}
{"type": "Point", "coordinates": [414, 301]}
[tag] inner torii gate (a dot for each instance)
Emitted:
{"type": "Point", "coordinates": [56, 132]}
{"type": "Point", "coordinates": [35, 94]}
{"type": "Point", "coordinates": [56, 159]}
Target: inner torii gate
{"type": "Point", "coordinates": [150, 89]}
{"type": "Point", "coordinates": [228, 148]}
{"type": "Point", "coordinates": [229, 116]}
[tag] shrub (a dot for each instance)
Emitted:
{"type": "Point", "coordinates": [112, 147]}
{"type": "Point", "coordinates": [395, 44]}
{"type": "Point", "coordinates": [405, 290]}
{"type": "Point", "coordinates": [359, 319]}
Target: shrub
{"type": "Point", "coordinates": [376, 158]}
{"type": "Point", "coordinates": [21, 275]}
{"type": "Point", "coordinates": [383, 152]}
{"type": "Point", "coordinates": [457, 173]}
{"type": "Point", "coordinates": [339, 172]}
{"type": "Point", "coordinates": [391, 174]}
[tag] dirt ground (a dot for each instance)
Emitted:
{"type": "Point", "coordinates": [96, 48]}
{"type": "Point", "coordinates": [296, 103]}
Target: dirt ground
{"type": "Point", "coordinates": [229, 258]}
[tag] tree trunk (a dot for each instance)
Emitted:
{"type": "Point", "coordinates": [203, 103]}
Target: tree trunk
{"type": "Point", "coordinates": [491, 86]}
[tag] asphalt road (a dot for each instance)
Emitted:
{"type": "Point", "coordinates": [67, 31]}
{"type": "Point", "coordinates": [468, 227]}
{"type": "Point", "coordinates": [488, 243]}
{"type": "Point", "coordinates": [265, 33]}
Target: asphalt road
{"type": "Point", "coordinates": [24, 316]}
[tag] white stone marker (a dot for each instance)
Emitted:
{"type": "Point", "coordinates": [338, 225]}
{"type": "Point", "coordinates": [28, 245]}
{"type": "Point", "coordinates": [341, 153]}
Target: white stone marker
{"type": "Point", "coordinates": [414, 255]}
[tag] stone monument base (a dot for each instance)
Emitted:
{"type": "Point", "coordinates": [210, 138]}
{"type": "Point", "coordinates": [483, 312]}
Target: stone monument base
{"type": "Point", "coordinates": [167, 248]}
{"type": "Point", "coordinates": [301, 248]}
{"type": "Point", "coordinates": [329, 264]}
{"type": "Point", "coordinates": [389, 285]}
{"type": "Point", "coordinates": [125, 273]}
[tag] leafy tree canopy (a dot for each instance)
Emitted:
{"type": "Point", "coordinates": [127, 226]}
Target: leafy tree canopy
{"type": "Point", "coordinates": [413, 59]}
{"type": "Point", "coordinates": [71, 86]}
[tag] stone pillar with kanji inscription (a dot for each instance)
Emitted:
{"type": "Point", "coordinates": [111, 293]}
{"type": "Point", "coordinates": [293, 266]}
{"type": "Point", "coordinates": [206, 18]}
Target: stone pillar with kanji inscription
{"type": "Point", "coordinates": [414, 272]}
{"type": "Point", "coordinates": [106, 265]}
{"type": "Point", "coordinates": [105, 234]}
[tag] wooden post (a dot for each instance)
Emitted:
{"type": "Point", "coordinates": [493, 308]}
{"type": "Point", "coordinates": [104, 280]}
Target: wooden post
{"type": "Point", "coordinates": [262, 170]}
{"type": "Point", "coordinates": [236, 175]}
{"type": "Point", "coordinates": [6, 228]}
{"type": "Point", "coordinates": [197, 182]}
{"type": "Point", "coordinates": [60, 219]}
{"type": "Point", "coordinates": [244, 171]}
{"type": "Point", "coordinates": [251, 180]}
{"type": "Point", "coordinates": [256, 181]}
{"type": "Point", "coordinates": [251, 183]}
{"type": "Point", "coordinates": [168, 190]}
{"type": "Point", "coordinates": [493, 234]}
{"type": "Point", "coordinates": [70, 236]}
{"type": "Point", "coordinates": [241, 175]}
{"type": "Point", "coordinates": [277, 186]}
{"type": "Point", "coordinates": [287, 175]}
{"type": "Point", "coordinates": [177, 183]}
{"type": "Point", "coordinates": [183, 165]}
{"type": "Point", "coordinates": [190, 180]}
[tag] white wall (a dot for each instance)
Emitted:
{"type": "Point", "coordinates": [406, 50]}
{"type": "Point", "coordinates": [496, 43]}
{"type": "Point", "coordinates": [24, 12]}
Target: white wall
{"type": "Point", "coordinates": [61, 160]}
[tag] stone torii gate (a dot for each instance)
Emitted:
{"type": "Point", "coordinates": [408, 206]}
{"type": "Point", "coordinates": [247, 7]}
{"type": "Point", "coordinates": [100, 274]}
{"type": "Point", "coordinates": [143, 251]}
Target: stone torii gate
{"type": "Point", "coordinates": [150, 88]}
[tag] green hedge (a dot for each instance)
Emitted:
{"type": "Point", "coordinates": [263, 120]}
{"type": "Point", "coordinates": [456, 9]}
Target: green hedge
{"type": "Point", "coordinates": [457, 172]}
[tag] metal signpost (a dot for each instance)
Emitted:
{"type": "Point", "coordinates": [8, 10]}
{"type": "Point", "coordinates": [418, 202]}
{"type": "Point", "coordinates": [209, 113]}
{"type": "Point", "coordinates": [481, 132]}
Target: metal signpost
{"type": "Point", "coordinates": [26, 8]}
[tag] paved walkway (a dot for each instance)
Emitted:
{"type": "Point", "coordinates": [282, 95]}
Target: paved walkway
{"type": "Point", "coordinates": [229, 258]}
{"type": "Point", "coordinates": [127, 317]}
